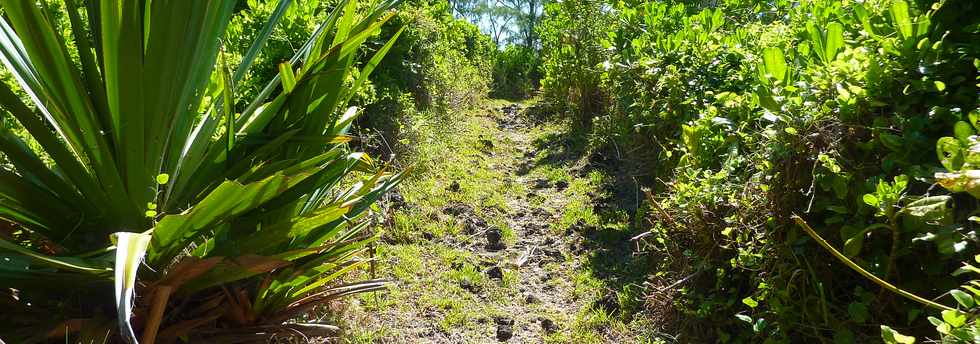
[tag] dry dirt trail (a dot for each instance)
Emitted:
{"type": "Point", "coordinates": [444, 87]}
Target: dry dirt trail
{"type": "Point", "coordinates": [498, 238]}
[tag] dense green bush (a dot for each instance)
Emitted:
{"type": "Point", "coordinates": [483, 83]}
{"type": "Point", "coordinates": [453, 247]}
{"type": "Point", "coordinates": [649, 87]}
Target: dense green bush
{"type": "Point", "coordinates": [516, 73]}
{"type": "Point", "coordinates": [442, 61]}
{"type": "Point", "coordinates": [572, 33]}
{"type": "Point", "coordinates": [750, 114]}
{"type": "Point", "coordinates": [441, 64]}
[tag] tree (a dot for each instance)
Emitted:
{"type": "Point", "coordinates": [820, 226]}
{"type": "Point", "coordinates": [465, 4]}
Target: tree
{"type": "Point", "coordinates": [498, 18]}
{"type": "Point", "coordinates": [528, 16]}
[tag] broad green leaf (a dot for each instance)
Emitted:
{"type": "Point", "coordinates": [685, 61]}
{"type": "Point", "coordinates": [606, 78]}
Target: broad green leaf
{"type": "Point", "coordinates": [890, 336]}
{"type": "Point", "coordinates": [892, 141]}
{"type": "Point", "coordinates": [962, 298]}
{"type": "Point", "coordinates": [817, 39]}
{"type": "Point", "coordinates": [835, 40]}
{"type": "Point", "coordinates": [854, 244]}
{"type": "Point", "coordinates": [954, 318]}
{"type": "Point", "coordinates": [933, 208]}
{"type": "Point", "coordinates": [233, 269]}
{"type": "Point", "coordinates": [923, 43]}
{"type": "Point", "coordinates": [965, 181]}
{"type": "Point", "coordinates": [229, 199]}
{"type": "Point", "coordinates": [775, 63]}
{"type": "Point", "coordinates": [974, 117]}
{"type": "Point", "coordinates": [759, 325]}
{"type": "Point", "coordinates": [858, 312]}
{"type": "Point", "coordinates": [899, 12]}
{"type": "Point", "coordinates": [871, 199]}
{"type": "Point", "coordinates": [65, 263]}
{"type": "Point", "coordinates": [950, 153]}
{"type": "Point", "coordinates": [288, 79]}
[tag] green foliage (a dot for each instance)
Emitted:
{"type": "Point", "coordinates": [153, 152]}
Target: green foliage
{"type": "Point", "coordinates": [516, 73]}
{"type": "Point", "coordinates": [439, 66]}
{"type": "Point", "coordinates": [145, 176]}
{"type": "Point", "coordinates": [443, 62]}
{"type": "Point", "coordinates": [743, 114]}
{"type": "Point", "coordinates": [572, 37]}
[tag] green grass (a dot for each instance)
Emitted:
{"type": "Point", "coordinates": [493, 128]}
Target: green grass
{"type": "Point", "coordinates": [441, 291]}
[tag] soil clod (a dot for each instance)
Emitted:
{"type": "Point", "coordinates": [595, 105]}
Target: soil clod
{"type": "Point", "coordinates": [531, 299]}
{"type": "Point", "coordinates": [505, 328]}
{"type": "Point", "coordinates": [495, 239]}
{"type": "Point", "coordinates": [548, 325]}
{"type": "Point", "coordinates": [495, 273]}
{"type": "Point", "coordinates": [561, 185]}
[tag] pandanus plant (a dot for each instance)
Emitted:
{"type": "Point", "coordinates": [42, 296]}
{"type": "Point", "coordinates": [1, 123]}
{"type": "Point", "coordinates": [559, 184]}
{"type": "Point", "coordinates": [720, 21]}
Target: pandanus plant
{"type": "Point", "coordinates": [137, 205]}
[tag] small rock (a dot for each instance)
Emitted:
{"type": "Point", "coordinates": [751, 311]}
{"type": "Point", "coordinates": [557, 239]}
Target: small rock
{"type": "Point", "coordinates": [494, 239]}
{"type": "Point", "coordinates": [495, 273]}
{"type": "Point", "coordinates": [457, 209]}
{"type": "Point", "coordinates": [554, 254]}
{"type": "Point", "coordinates": [505, 328]}
{"type": "Point", "coordinates": [454, 187]}
{"type": "Point", "coordinates": [561, 185]}
{"type": "Point", "coordinates": [486, 145]}
{"type": "Point", "coordinates": [396, 200]}
{"type": "Point", "coordinates": [474, 224]}
{"type": "Point", "coordinates": [531, 299]}
{"type": "Point", "coordinates": [548, 326]}
{"type": "Point", "coordinates": [468, 286]}
{"type": "Point", "coordinates": [542, 212]}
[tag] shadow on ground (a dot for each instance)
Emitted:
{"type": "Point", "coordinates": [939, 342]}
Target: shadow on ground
{"type": "Point", "coordinates": [607, 251]}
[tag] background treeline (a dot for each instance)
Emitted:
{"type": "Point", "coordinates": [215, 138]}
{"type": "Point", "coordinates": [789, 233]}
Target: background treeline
{"type": "Point", "coordinates": [858, 116]}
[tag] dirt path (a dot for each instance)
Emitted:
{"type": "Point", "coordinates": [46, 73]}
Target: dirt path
{"type": "Point", "coordinates": [497, 239]}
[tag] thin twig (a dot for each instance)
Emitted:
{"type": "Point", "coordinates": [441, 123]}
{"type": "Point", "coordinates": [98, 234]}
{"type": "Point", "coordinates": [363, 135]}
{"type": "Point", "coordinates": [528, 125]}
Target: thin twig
{"type": "Point", "coordinates": [864, 272]}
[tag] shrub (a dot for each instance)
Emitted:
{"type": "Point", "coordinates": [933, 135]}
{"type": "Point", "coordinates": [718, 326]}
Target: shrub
{"type": "Point", "coordinates": [573, 55]}
{"type": "Point", "coordinates": [516, 73]}
{"type": "Point", "coordinates": [223, 225]}
{"type": "Point", "coordinates": [825, 109]}
{"type": "Point", "coordinates": [439, 65]}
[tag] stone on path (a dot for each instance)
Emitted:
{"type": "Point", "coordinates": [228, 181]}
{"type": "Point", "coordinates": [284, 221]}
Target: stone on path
{"type": "Point", "coordinates": [505, 328]}
{"type": "Point", "coordinates": [495, 239]}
